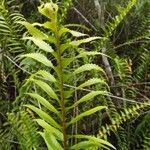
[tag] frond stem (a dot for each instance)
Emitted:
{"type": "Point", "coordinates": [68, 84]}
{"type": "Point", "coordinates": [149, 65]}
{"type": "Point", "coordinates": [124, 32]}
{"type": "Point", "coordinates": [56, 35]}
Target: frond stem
{"type": "Point", "coordinates": [62, 98]}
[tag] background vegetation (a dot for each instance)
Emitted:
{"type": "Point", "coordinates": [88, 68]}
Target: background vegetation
{"type": "Point", "coordinates": [125, 30]}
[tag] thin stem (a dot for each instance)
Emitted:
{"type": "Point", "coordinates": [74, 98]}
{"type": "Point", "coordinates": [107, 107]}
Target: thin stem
{"type": "Point", "coordinates": [62, 98]}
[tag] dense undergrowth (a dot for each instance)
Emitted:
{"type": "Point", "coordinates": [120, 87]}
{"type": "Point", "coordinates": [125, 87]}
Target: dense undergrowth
{"type": "Point", "coordinates": [74, 75]}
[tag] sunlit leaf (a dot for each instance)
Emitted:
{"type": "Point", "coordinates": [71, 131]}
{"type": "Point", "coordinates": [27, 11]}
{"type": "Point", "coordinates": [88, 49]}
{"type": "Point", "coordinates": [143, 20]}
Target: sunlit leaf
{"type": "Point", "coordinates": [50, 129]}
{"type": "Point", "coordinates": [46, 75]}
{"type": "Point", "coordinates": [34, 31]}
{"type": "Point", "coordinates": [40, 58]}
{"type": "Point", "coordinates": [83, 54]}
{"type": "Point", "coordinates": [88, 67]}
{"type": "Point", "coordinates": [47, 141]}
{"type": "Point", "coordinates": [74, 33]}
{"type": "Point", "coordinates": [50, 25]}
{"type": "Point", "coordinates": [63, 30]}
{"type": "Point", "coordinates": [95, 140]}
{"type": "Point", "coordinates": [50, 141]}
{"type": "Point", "coordinates": [45, 87]}
{"type": "Point", "coordinates": [41, 44]}
{"type": "Point", "coordinates": [44, 116]}
{"type": "Point", "coordinates": [77, 34]}
{"type": "Point", "coordinates": [89, 97]}
{"type": "Point", "coordinates": [87, 40]}
{"type": "Point", "coordinates": [90, 82]}
{"type": "Point", "coordinates": [83, 145]}
{"type": "Point", "coordinates": [44, 102]}
{"type": "Point", "coordinates": [67, 61]}
{"type": "Point", "coordinates": [53, 142]}
{"type": "Point", "coordinates": [86, 113]}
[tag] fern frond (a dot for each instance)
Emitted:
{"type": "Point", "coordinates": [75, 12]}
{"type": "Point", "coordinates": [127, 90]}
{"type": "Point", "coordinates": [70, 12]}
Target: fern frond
{"type": "Point", "coordinates": [146, 144]}
{"type": "Point", "coordinates": [143, 65]}
{"type": "Point", "coordinates": [11, 31]}
{"type": "Point", "coordinates": [111, 26]}
{"type": "Point", "coordinates": [52, 107]}
{"type": "Point", "coordinates": [6, 139]}
{"type": "Point", "coordinates": [121, 117]}
{"type": "Point", "coordinates": [24, 129]}
{"type": "Point", "coordinates": [142, 131]}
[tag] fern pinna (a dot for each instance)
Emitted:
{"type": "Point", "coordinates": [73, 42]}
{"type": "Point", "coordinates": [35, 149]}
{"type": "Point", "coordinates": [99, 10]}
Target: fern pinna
{"type": "Point", "coordinates": [53, 100]}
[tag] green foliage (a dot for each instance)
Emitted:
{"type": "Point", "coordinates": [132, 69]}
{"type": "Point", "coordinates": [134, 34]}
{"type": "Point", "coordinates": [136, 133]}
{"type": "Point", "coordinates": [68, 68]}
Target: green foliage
{"type": "Point", "coordinates": [121, 117]}
{"type": "Point", "coordinates": [111, 26]}
{"type": "Point", "coordinates": [19, 132]}
{"type": "Point", "coordinates": [24, 129]}
{"type": "Point", "coordinates": [54, 120]}
{"type": "Point", "coordinates": [6, 139]}
{"type": "Point", "coordinates": [10, 45]}
{"type": "Point", "coordinates": [67, 92]}
{"type": "Point", "coordinates": [142, 132]}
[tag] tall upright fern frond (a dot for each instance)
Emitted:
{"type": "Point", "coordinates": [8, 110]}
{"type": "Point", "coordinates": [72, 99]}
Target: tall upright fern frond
{"type": "Point", "coordinates": [51, 93]}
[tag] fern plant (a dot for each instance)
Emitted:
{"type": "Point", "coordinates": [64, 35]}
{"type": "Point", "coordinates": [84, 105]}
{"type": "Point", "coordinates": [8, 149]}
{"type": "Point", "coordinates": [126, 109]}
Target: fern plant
{"type": "Point", "coordinates": [111, 26]}
{"type": "Point", "coordinates": [19, 132]}
{"type": "Point", "coordinates": [24, 129]}
{"type": "Point", "coordinates": [141, 134]}
{"type": "Point", "coordinates": [120, 123]}
{"type": "Point", "coordinates": [55, 106]}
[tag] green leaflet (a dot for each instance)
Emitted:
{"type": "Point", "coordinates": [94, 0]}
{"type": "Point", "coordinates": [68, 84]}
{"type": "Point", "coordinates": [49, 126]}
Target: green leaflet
{"type": "Point", "coordinates": [45, 87]}
{"type": "Point", "coordinates": [50, 25]}
{"type": "Point", "coordinates": [50, 141]}
{"type": "Point", "coordinates": [77, 26]}
{"type": "Point", "coordinates": [53, 141]}
{"type": "Point", "coordinates": [46, 75]}
{"type": "Point", "coordinates": [77, 43]}
{"type": "Point", "coordinates": [86, 113]}
{"type": "Point", "coordinates": [64, 46]}
{"type": "Point", "coordinates": [88, 145]}
{"type": "Point", "coordinates": [50, 129]}
{"type": "Point", "coordinates": [63, 30]}
{"type": "Point", "coordinates": [89, 97]}
{"type": "Point", "coordinates": [68, 94]}
{"type": "Point", "coordinates": [91, 82]}
{"type": "Point", "coordinates": [34, 31]}
{"type": "Point", "coordinates": [44, 116]}
{"type": "Point", "coordinates": [84, 145]}
{"type": "Point", "coordinates": [77, 34]}
{"type": "Point", "coordinates": [67, 61]}
{"type": "Point", "coordinates": [44, 102]}
{"type": "Point", "coordinates": [74, 33]}
{"type": "Point", "coordinates": [88, 67]}
{"type": "Point", "coordinates": [47, 141]}
{"type": "Point", "coordinates": [95, 140]}
{"type": "Point", "coordinates": [40, 58]}
{"type": "Point", "coordinates": [87, 40]}
{"type": "Point", "coordinates": [83, 54]}
{"type": "Point", "coordinates": [41, 44]}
